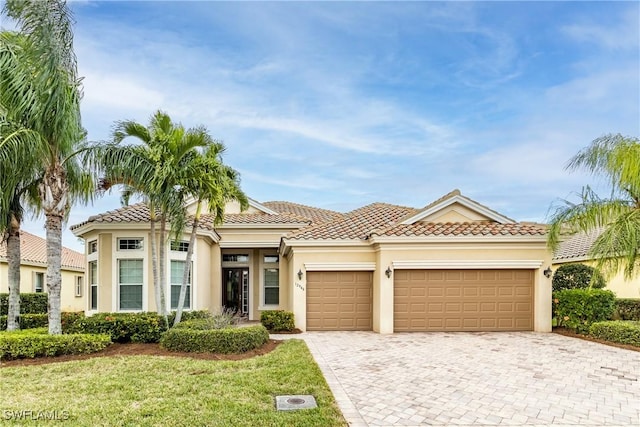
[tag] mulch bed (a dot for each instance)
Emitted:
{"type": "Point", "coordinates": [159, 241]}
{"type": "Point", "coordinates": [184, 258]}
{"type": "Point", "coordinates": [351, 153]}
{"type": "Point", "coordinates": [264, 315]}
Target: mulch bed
{"type": "Point", "coordinates": [570, 333]}
{"type": "Point", "coordinates": [132, 349]}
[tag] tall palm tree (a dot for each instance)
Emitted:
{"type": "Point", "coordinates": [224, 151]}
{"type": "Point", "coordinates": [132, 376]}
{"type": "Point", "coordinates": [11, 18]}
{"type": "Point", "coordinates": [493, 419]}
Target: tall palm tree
{"type": "Point", "coordinates": [40, 92]}
{"type": "Point", "coordinates": [616, 159]}
{"type": "Point", "coordinates": [155, 170]}
{"type": "Point", "coordinates": [211, 184]}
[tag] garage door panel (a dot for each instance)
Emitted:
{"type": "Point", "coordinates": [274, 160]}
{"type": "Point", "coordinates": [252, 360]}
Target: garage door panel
{"type": "Point", "coordinates": [339, 300]}
{"type": "Point", "coordinates": [463, 300]}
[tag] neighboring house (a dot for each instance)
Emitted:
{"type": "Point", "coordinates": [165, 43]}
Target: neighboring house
{"type": "Point", "coordinates": [575, 250]}
{"type": "Point", "coordinates": [33, 271]}
{"type": "Point", "coordinates": [454, 265]}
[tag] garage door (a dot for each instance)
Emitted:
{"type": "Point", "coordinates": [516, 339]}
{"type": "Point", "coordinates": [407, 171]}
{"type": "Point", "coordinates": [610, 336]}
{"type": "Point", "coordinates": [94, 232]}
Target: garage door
{"type": "Point", "coordinates": [339, 300]}
{"type": "Point", "coordinates": [463, 300]}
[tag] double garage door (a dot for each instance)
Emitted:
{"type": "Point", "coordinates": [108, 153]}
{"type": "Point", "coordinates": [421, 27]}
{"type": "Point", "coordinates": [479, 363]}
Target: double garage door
{"type": "Point", "coordinates": [424, 300]}
{"type": "Point", "coordinates": [463, 300]}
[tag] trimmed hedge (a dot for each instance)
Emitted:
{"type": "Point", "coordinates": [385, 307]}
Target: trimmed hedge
{"type": "Point", "coordinates": [189, 315]}
{"type": "Point", "coordinates": [277, 320]}
{"type": "Point", "coordinates": [36, 343]}
{"type": "Point", "coordinates": [30, 321]}
{"type": "Point", "coordinates": [577, 309]}
{"type": "Point", "coordinates": [623, 332]}
{"type": "Point", "coordinates": [227, 340]}
{"type": "Point", "coordinates": [577, 276]}
{"type": "Point", "coordinates": [628, 308]}
{"type": "Point", "coordinates": [30, 303]}
{"type": "Point", "coordinates": [123, 327]}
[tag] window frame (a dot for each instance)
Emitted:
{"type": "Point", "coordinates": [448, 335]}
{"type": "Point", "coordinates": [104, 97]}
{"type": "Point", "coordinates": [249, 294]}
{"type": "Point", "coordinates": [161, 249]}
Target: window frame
{"type": "Point", "coordinates": [264, 266]}
{"type": "Point", "coordinates": [120, 285]}
{"type": "Point", "coordinates": [36, 275]}
{"type": "Point", "coordinates": [93, 285]}
{"type": "Point", "coordinates": [189, 286]}
{"type": "Point", "coordinates": [139, 247]}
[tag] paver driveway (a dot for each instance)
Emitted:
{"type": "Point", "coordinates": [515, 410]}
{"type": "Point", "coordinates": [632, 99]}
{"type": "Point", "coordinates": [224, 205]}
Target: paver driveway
{"type": "Point", "coordinates": [478, 379]}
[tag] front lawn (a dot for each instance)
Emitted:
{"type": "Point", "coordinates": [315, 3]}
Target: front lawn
{"type": "Point", "coordinates": [169, 391]}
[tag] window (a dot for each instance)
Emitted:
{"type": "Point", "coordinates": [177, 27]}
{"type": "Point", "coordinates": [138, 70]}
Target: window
{"type": "Point", "coordinates": [179, 246]}
{"type": "Point", "coordinates": [270, 259]}
{"type": "Point", "coordinates": [93, 284]}
{"type": "Point", "coordinates": [130, 284]}
{"type": "Point", "coordinates": [177, 273]}
{"type": "Point", "coordinates": [235, 258]}
{"type": "Point", "coordinates": [271, 286]}
{"type": "Point", "coordinates": [129, 244]}
{"type": "Point", "coordinates": [93, 247]}
{"type": "Point", "coordinates": [38, 282]}
{"type": "Point", "coordinates": [79, 285]}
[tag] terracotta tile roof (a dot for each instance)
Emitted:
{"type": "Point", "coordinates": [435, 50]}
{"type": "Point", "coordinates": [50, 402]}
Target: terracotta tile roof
{"type": "Point", "coordinates": [316, 215]}
{"type": "Point", "coordinates": [259, 218]}
{"type": "Point", "coordinates": [356, 224]}
{"type": "Point", "coordinates": [34, 249]}
{"type": "Point", "coordinates": [480, 228]}
{"type": "Point", "coordinates": [139, 213]}
{"type": "Point", "coordinates": [577, 246]}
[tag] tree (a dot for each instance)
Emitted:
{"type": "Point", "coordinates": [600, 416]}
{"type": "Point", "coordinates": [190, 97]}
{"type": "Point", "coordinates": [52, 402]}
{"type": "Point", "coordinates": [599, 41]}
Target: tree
{"type": "Point", "coordinates": [40, 94]}
{"type": "Point", "coordinates": [616, 159]}
{"type": "Point", "coordinates": [577, 276]}
{"type": "Point", "coordinates": [211, 184]}
{"type": "Point", "coordinates": [155, 170]}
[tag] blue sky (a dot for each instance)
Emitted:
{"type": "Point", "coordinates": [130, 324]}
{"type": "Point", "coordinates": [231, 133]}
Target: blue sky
{"type": "Point", "coordinates": [338, 105]}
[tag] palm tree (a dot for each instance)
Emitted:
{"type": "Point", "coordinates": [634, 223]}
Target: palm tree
{"type": "Point", "coordinates": [616, 159]}
{"type": "Point", "coordinates": [154, 170]}
{"type": "Point", "coordinates": [211, 184]}
{"type": "Point", "coordinates": [40, 93]}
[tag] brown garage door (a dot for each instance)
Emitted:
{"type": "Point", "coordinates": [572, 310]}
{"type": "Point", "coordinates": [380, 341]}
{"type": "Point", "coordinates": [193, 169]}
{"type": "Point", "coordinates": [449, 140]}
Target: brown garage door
{"type": "Point", "coordinates": [463, 300]}
{"type": "Point", "coordinates": [339, 300]}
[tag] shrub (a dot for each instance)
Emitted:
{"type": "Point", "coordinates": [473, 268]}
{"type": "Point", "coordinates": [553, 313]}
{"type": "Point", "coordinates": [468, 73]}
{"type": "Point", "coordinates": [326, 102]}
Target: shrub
{"type": "Point", "coordinates": [123, 327]}
{"type": "Point", "coordinates": [189, 315]}
{"type": "Point", "coordinates": [624, 332]}
{"type": "Point", "coordinates": [30, 321]}
{"type": "Point", "coordinates": [628, 309]}
{"type": "Point", "coordinates": [577, 309]}
{"type": "Point", "coordinates": [577, 276]}
{"type": "Point", "coordinates": [227, 340]}
{"type": "Point", "coordinates": [277, 320]}
{"type": "Point", "coordinates": [30, 303]}
{"type": "Point", "coordinates": [36, 343]}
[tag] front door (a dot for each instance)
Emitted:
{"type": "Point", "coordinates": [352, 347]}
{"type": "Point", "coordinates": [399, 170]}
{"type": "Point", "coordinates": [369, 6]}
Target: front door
{"type": "Point", "coordinates": [235, 289]}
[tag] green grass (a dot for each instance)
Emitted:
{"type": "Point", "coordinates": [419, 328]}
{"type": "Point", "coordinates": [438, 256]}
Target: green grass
{"type": "Point", "coordinates": [171, 391]}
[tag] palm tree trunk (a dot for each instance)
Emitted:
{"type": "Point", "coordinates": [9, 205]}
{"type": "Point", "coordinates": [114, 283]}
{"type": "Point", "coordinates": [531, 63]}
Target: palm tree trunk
{"type": "Point", "coordinates": [163, 267]}
{"type": "Point", "coordinates": [187, 265]}
{"type": "Point", "coordinates": [13, 260]}
{"type": "Point", "coordinates": [54, 278]}
{"type": "Point", "coordinates": [154, 258]}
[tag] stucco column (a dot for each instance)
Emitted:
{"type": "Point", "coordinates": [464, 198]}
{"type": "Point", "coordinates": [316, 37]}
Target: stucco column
{"type": "Point", "coordinates": [382, 295]}
{"type": "Point", "coordinates": [542, 300]}
{"type": "Point", "coordinates": [299, 300]}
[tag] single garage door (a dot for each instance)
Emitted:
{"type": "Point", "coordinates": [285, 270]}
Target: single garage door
{"type": "Point", "coordinates": [463, 300]}
{"type": "Point", "coordinates": [339, 300]}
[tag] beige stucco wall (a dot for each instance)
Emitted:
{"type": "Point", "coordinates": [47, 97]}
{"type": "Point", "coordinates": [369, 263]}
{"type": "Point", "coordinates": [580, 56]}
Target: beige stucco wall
{"type": "Point", "coordinates": [450, 255]}
{"type": "Point", "coordinates": [68, 299]}
{"type": "Point", "coordinates": [622, 287]}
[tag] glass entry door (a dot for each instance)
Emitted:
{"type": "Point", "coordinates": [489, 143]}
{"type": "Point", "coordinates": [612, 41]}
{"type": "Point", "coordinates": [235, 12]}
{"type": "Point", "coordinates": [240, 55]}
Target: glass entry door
{"type": "Point", "coordinates": [235, 289]}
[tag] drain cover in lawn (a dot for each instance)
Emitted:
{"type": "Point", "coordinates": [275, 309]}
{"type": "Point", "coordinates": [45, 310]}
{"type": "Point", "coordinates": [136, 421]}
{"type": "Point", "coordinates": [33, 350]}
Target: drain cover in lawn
{"type": "Point", "coordinates": [293, 402]}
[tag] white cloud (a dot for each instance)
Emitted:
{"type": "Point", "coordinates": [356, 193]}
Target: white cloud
{"type": "Point", "coordinates": [624, 34]}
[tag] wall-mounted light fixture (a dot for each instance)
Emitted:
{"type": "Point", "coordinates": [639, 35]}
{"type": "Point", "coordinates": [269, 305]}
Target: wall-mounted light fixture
{"type": "Point", "coordinates": [388, 272]}
{"type": "Point", "coordinates": [300, 274]}
{"type": "Point", "coordinates": [548, 272]}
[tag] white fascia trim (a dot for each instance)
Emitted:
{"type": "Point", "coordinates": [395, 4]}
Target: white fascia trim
{"type": "Point", "coordinates": [570, 260]}
{"type": "Point", "coordinates": [116, 226]}
{"type": "Point", "coordinates": [261, 207]}
{"type": "Point", "coordinates": [463, 201]}
{"type": "Point", "coordinates": [457, 239]}
{"type": "Point", "coordinates": [340, 266]}
{"type": "Point", "coordinates": [320, 243]}
{"type": "Point", "coordinates": [467, 264]}
{"type": "Point", "coordinates": [248, 244]}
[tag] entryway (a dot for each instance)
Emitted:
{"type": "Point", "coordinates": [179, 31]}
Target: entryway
{"type": "Point", "coordinates": [235, 289]}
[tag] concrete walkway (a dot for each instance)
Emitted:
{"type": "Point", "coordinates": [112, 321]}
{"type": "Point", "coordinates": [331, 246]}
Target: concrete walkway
{"type": "Point", "coordinates": [477, 379]}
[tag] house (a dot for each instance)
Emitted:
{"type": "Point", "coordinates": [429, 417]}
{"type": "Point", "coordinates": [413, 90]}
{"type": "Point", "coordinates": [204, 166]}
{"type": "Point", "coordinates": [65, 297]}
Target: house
{"type": "Point", "coordinates": [33, 271]}
{"type": "Point", "coordinates": [575, 249]}
{"type": "Point", "coordinates": [454, 265]}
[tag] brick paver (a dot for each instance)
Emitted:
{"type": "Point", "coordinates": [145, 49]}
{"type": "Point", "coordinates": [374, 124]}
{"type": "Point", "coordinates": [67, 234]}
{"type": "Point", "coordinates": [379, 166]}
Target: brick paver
{"type": "Point", "coordinates": [477, 379]}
